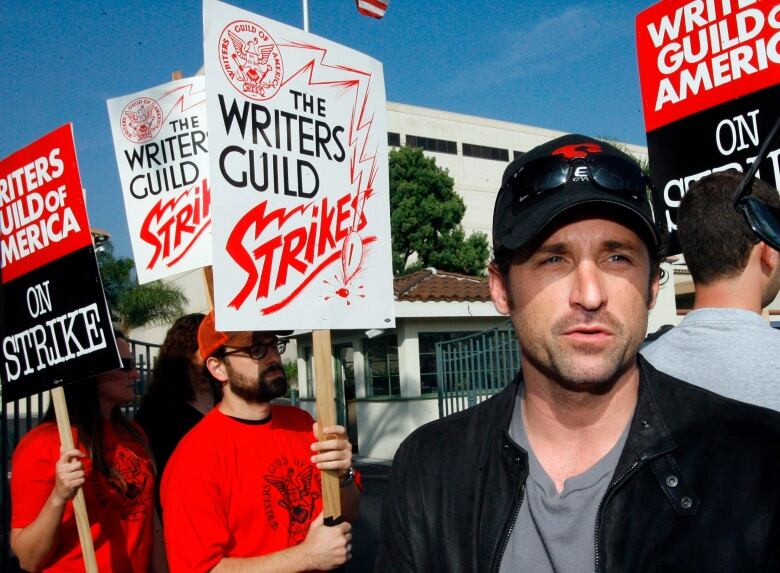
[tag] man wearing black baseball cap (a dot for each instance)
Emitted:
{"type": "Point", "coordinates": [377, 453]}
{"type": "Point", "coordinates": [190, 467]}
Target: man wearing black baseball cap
{"type": "Point", "coordinates": [591, 457]}
{"type": "Point", "coordinates": [242, 491]}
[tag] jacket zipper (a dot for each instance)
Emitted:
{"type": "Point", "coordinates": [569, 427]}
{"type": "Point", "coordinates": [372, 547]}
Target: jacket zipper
{"type": "Point", "coordinates": [505, 542]}
{"type": "Point", "coordinates": [610, 488]}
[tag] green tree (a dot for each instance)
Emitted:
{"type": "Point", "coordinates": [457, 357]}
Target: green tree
{"type": "Point", "coordinates": [132, 305]}
{"type": "Point", "coordinates": [425, 216]}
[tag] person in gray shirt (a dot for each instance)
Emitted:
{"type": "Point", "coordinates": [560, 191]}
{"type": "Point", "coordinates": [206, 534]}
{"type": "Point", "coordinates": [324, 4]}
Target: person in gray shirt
{"type": "Point", "coordinates": [724, 344]}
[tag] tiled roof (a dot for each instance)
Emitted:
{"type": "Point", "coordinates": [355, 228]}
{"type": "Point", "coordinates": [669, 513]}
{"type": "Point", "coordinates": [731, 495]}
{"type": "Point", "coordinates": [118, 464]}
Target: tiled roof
{"type": "Point", "coordinates": [431, 285]}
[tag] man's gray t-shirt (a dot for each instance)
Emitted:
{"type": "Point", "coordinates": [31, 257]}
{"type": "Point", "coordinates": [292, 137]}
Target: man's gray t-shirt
{"type": "Point", "coordinates": [730, 351]}
{"type": "Point", "coordinates": [557, 532]}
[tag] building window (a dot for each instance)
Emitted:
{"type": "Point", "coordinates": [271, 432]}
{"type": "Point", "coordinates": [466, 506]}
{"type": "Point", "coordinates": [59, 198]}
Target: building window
{"type": "Point", "coordinates": [428, 340]}
{"type": "Point", "coordinates": [517, 154]}
{"type": "Point", "coordinates": [383, 376]}
{"type": "Point", "coordinates": [485, 152]}
{"type": "Point", "coordinates": [393, 139]}
{"type": "Point", "coordinates": [431, 144]}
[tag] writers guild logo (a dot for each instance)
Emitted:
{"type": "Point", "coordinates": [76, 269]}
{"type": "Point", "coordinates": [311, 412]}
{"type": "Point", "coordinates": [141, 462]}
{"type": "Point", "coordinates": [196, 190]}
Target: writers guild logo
{"type": "Point", "coordinates": [141, 120]}
{"type": "Point", "coordinates": [251, 60]}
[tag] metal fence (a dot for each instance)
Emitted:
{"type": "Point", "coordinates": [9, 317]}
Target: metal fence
{"type": "Point", "coordinates": [19, 417]}
{"type": "Point", "coordinates": [473, 368]}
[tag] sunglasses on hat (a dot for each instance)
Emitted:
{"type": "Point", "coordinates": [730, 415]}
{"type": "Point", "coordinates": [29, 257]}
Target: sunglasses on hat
{"type": "Point", "coordinates": [127, 364]}
{"type": "Point", "coordinates": [763, 219]}
{"type": "Point", "coordinates": [608, 172]}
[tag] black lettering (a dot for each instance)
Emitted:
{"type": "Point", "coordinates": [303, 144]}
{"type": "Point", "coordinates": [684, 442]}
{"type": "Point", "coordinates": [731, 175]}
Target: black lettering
{"type": "Point", "coordinates": [223, 157]}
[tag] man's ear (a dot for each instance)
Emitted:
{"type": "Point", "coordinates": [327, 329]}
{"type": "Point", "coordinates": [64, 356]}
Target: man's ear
{"type": "Point", "coordinates": [655, 286]}
{"type": "Point", "coordinates": [216, 368]}
{"type": "Point", "coordinates": [769, 257]}
{"type": "Point", "coordinates": [498, 289]}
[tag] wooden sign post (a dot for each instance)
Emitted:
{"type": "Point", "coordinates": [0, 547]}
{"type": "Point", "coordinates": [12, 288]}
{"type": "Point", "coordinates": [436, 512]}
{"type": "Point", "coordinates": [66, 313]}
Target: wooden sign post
{"type": "Point", "coordinates": [326, 416]}
{"type": "Point", "coordinates": [79, 505]}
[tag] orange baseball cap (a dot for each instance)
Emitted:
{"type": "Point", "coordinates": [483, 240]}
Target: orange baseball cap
{"type": "Point", "coordinates": [210, 339]}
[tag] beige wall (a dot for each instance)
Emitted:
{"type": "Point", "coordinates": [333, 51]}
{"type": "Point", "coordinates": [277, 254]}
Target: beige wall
{"type": "Point", "coordinates": [476, 180]}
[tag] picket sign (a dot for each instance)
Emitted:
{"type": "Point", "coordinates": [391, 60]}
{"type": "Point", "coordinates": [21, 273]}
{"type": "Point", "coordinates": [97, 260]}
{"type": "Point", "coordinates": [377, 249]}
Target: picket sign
{"type": "Point", "coordinates": [79, 505]}
{"type": "Point", "coordinates": [326, 410]}
{"type": "Point", "coordinates": [49, 283]}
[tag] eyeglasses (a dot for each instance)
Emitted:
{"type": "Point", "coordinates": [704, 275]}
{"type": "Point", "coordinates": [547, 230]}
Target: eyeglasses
{"type": "Point", "coordinates": [127, 365]}
{"type": "Point", "coordinates": [608, 172]}
{"type": "Point", "coordinates": [763, 219]}
{"type": "Point", "coordinates": [259, 350]}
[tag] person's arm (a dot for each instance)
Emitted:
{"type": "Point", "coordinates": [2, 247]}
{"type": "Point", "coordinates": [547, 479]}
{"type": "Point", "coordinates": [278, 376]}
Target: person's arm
{"type": "Point", "coordinates": [34, 543]}
{"type": "Point", "coordinates": [324, 548]}
{"type": "Point", "coordinates": [335, 453]}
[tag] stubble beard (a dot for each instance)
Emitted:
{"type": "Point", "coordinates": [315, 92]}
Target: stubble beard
{"type": "Point", "coordinates": [580, 368]}
{"type": "Point", "coordinates": [270, 383]}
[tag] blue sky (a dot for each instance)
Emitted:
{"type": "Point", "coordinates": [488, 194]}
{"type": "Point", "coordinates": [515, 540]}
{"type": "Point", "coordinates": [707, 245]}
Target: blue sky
{"type": "Point", "coordinates": [565, 65]}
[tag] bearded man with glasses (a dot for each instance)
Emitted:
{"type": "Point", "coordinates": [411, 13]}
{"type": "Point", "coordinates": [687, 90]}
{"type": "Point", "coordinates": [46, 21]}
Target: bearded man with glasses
{"type": "Point", "coordinates": [242, 490]}
{"type": "Point", "coordinates": [591, 459]}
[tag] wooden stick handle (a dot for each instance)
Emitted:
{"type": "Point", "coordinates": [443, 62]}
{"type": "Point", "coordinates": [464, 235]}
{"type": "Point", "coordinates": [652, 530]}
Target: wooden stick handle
{"type": "Point", "coordinates": [79, 505]}
{"type": "Point", "coordinates": [208, 279]}
{"type": "Point", "coordinates": [326, 416]}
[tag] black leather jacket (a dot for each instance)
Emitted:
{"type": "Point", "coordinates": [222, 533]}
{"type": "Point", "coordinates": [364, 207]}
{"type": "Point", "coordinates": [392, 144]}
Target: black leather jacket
{"type": "Point", "coordinates": [697, 488]}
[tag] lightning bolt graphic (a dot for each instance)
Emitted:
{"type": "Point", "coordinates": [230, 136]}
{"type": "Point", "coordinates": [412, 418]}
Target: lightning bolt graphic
{"type": "Point", "coordinates": [188, 98]}
{"type": "Point", "coordinates": [312, 64]}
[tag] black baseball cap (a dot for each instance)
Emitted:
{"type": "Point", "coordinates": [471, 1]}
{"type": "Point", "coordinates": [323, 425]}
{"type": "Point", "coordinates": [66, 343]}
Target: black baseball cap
{"type": "Point", "coordinates": [565, 173]}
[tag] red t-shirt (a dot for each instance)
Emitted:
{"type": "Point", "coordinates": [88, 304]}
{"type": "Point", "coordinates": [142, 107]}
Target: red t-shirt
{"type": "Point", "coordinates": [234, 488]}
{"type": "Point", "coordinates": [120, 510]}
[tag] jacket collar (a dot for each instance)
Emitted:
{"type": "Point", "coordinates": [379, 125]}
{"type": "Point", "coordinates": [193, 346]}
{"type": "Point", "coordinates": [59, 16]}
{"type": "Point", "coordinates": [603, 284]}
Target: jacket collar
{"type": "Point", "coordinates": [648, 436]}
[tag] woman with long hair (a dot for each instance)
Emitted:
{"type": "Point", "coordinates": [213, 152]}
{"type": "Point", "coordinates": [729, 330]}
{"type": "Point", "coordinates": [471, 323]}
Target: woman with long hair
{"type": "Point", "coordinates": [181, 391]}
{"type": "Point", "coordinates": [111, 461]}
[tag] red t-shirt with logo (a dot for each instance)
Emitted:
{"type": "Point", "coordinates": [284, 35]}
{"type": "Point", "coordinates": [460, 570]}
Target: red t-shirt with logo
{"type": "Point", "coordinates": [120, 508]}
{"type": "Point", "coordinates": [235, 488]}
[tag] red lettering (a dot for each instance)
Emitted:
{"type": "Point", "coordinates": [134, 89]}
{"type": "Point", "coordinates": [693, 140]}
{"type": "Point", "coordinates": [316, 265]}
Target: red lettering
{"type": "Point", "coordinates": [293, 244]}
{"type": "Point", "coordinates": [265, 253]}
{"type": "Point", "coordinates": [173, 226]}
{"type": "Point", "coordinates": [343, 205]}
{"type": "Point", "coordinates": [273, 246]}
{"type": "Point", "coordinates": [182, 224]}
{"type": "Point", "coordinates": [326, 240]}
